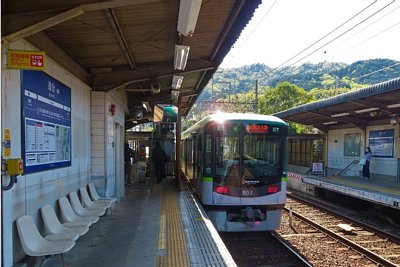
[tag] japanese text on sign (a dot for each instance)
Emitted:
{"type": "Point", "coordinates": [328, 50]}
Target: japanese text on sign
{"type": "Point", "coordinates": [29, 60]}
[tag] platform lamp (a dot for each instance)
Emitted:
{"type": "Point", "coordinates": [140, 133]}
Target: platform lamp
{"type": "Point", "coordinates": [177, 82]}
{"type": "Point", "coordinates": [188, 14]}
{"type": "Point", "coordinates": [174, 95]}
{"type": "Point", "coordinates": [181, 56]}
{"type": "Point", "coordinates": [146, 106]}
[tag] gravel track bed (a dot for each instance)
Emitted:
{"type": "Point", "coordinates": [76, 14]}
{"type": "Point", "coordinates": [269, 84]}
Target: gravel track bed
{"type": "Point", "coordinates": [367, 239]}
{"type": "Point", "coordinates": [257, 249]}
{"type": "Point", "coordinates": [371, 217]}
{"type": "Point", "coordinates": [316, 247]}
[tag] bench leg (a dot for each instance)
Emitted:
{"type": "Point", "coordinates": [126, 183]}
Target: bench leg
{"type": "Point", "coordinates": [98, 224]}
{"type": "Point", "coordinates": [91, 237]}
{"type": "Point", "coordinates": [62, 260]}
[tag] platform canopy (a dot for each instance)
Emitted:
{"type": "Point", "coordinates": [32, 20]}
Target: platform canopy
{"type": "Point", "coordinates": [135, 46]}
{"type": "Point", "coordinates": [375, 105]}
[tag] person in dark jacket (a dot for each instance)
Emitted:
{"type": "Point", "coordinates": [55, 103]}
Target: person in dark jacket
{"type": "Point", "coordinates": [128, 155]}
{"type": "Point", "coordinates": [159, 157]}
{"type": "Point", "coordinates": [368, 156]}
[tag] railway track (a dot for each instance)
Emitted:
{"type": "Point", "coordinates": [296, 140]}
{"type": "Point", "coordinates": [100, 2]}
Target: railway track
{"type": "Point", "coordinates": [261, 249]}
{"type": "Point", "coordinates": [379, 246]}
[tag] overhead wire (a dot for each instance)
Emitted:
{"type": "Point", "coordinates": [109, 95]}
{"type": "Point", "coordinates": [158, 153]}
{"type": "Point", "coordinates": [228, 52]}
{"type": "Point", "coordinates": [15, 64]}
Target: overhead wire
{"type": "Point", "coordinates": [258, 24]}
{"type": "Point", "coordinates": [377, 34]}
{"type": "Point", "coordinates": [253, 30]}
{"type": "Point", "coordinates": [373, 22]}
{"type": "Point", "coordinates": [376, 71]}
{"type": "Point", "coordinates": [337, 37]}
{"type": "Point", "coordinates": [326, 35]}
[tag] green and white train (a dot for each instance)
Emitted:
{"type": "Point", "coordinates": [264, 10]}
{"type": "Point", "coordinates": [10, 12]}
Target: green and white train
{"type": "Point", "coordinates": [236, 164]}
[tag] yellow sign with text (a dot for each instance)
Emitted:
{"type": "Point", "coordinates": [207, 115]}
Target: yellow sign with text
{"type": "Point", "coordinates": [27, 60]}
{"type": "Point", "coordinates": [7, 143]}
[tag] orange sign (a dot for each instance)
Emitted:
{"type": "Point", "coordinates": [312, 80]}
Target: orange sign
{"type": "Point", "coordinates": [257, 128]}
{"type": "Point", "coordinates": [27, 60]}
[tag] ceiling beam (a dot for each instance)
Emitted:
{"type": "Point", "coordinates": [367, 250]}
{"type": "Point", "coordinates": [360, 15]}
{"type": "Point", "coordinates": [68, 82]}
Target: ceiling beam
{"type": "Point", "coordinates": [112, 18]}
{"type": "Point", "coordinates": [32, 8]}
{"type": "Point", "coordinates": [152, 99]}
{"type": "Point", "coordinates": [120, 79]}
{"type": "Point", "coordinates": [358, 123]}
{"type": "Point", "coordinates": [26, 30]}
{"type": "Point", "coordinates": [45, 24]}
{"type": "Point", "coordinates": [372, 104]}
{"type": "Point", "coordinates": [228, 27]}
{"type": "Point", "coordinates": [42, 42]}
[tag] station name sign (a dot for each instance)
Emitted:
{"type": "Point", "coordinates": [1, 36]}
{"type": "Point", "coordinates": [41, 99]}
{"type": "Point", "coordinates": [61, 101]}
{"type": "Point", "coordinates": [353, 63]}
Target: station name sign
{"type": "Point", "coordinates": [26, 60]}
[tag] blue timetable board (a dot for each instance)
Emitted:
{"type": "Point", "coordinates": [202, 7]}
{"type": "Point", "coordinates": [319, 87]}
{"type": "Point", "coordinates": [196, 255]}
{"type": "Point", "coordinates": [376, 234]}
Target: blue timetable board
{"type": "Point", "coordinates": [46, 122]}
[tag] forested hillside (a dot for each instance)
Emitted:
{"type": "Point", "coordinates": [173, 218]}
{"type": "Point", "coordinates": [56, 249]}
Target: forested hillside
{"type": "Point", "coordinates": [233, 90]}
{"type": "Point", "coordinates": [308, 76]}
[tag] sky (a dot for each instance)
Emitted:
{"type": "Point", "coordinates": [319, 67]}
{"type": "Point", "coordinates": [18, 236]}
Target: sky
{"type": "Point", "coordinates": [281, 29]}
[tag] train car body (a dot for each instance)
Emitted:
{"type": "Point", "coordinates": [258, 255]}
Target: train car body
{"type": "Point", "coordinates": [236, 164]}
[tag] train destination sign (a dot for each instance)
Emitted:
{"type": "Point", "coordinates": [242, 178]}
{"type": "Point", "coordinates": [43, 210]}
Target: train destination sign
{"type": "Point", "coordinates": [257, 128]}
{"type": "Point", "coordinates": [27, 60]}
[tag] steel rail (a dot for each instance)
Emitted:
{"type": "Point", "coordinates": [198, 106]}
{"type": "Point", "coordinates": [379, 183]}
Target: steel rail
{"type": "Point", "coordinates": [371, 255]}
{"type": "Point", "coordinates": [292, 251]}
{"type": "Point", "coordinates": [364, 225]}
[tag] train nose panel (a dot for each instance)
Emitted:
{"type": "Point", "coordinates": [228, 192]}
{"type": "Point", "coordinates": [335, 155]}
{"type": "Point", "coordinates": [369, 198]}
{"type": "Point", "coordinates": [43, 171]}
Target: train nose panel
{"type": "Point", "coordinates": [247, 214]}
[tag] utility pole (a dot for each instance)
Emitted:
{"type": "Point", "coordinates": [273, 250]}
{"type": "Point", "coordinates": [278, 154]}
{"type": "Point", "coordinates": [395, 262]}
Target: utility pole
{"type": "Point", "coordinates": [256, 104]}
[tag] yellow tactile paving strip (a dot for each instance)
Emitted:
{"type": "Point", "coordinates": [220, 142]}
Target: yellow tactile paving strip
{"type": "Point", "coordinates": [171, 237]}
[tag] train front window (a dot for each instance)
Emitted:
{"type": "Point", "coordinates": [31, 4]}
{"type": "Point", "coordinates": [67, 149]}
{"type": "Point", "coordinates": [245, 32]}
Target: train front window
{"type": "Point", "coordinates": [261, 155]}
{"type": "Point", "coordinates": [249, 151]}
{"type": "Point", "coordinates": [227, 148]}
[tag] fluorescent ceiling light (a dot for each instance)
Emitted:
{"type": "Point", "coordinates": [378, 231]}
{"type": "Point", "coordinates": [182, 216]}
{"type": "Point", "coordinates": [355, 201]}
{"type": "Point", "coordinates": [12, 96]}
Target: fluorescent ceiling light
{"type": "Point", "coordinates": [181, 56]}
{"type": "Point", "coordinates": [340, 115]}
{"type": "Point", "coordinates": [393, 105]}
{"type": "Point", "coordinates": [177, 82]}
{"type": "Point", "coordinates": [188, 13]}
{"type": "Point", "coordinates": [329, 122]}
{"type": "Point", "coordinates": [146, 106]}
{"type": "Point", "coordinates": [174, 95]}
{"type": "Point", "coordinates": [366, 110]}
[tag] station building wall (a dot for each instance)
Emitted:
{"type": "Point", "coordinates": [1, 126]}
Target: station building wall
{"type": "Point", "coordinates": [107, 143]}
{"type": "Point", "coordinates": [91, 157]}
{"type": "Point", "coordinates": [384, 168]}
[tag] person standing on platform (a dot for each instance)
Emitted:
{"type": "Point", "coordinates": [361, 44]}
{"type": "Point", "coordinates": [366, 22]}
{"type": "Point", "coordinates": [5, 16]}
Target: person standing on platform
{"type": "Point", "coordinates": [368, 156]}
{"type": "Point", "coordinates": [128, 155]}
{"type": "Point", "coordinates": [159, 157]}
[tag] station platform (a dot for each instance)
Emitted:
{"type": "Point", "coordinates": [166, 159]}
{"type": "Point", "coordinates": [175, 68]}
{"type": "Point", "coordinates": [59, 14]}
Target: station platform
{"type": "Point", "coordinates": [375, 190]}
{"type": "Point", "coordinates": [153, 225]}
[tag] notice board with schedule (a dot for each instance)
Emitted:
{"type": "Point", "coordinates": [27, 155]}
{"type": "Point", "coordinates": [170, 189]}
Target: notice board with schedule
{"type": "Point", "coordinates": [46, 122]}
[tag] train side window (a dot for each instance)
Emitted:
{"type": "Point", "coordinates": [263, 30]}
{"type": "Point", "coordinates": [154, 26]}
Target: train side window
{"type": "Point", "coordinates": [207, 155]}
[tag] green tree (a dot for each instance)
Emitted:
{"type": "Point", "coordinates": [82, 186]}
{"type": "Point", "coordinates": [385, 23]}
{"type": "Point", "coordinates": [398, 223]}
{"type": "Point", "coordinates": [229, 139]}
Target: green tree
{"type": "Point", "coordinates": [284, 96]}
{"type": "Point", "coordinates": [319, 94]}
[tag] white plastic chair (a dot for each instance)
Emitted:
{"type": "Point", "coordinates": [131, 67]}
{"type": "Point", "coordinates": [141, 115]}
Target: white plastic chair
{"type": "Point", "coordinates": [71, 219]}
{"type": "Point", "coordinates": [53, 226]}
{"type": "Point", "coordinates": [88, 203]}
{"type": "Point", "coordinates": [95, 196]}
{"type": "Point", "coordinates": [35, 245]}
{"type": "Point", "coordinates": [97, 199]}
{"type": "Point", "coordinates": [81, 211]}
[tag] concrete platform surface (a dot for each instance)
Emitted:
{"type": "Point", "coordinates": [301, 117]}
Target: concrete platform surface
{"type": "Point", "coordinates": [128, 238]}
